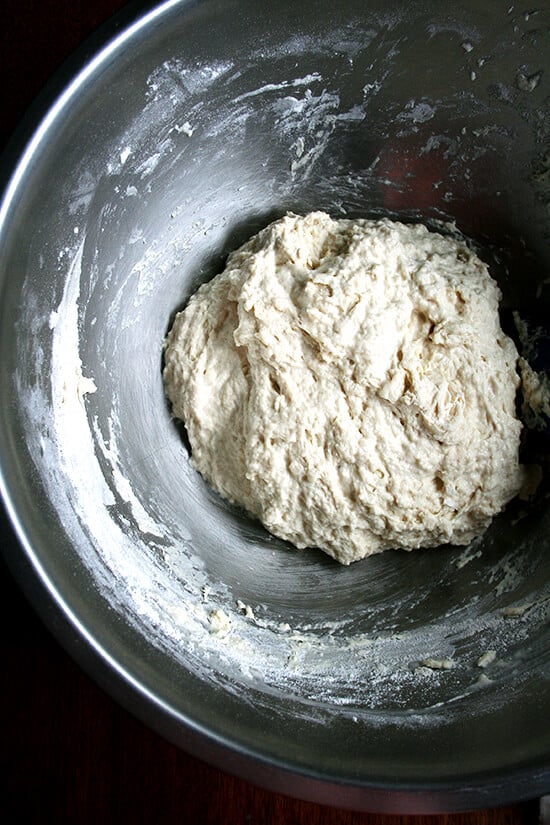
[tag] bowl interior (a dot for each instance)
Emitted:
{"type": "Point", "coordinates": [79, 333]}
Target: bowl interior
{"type": "Point", "coordinates": [188, 133]}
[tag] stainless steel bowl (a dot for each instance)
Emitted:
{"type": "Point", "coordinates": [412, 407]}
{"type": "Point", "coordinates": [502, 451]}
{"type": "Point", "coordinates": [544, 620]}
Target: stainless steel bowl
{"type": "Point", "coordinates": [188, 130]}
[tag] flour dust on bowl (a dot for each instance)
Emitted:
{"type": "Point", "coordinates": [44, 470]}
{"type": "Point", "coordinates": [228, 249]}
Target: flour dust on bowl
{"type": "Point", "coordinates": [406, 682]}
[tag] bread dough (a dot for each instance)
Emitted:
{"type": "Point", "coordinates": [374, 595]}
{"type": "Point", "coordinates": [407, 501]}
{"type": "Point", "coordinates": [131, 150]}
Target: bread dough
{"type": "Point", "coordinates": [348, 383]}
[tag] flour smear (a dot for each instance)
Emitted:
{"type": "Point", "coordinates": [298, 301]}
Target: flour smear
{"type": "Point", "coordinates": [208, 587]}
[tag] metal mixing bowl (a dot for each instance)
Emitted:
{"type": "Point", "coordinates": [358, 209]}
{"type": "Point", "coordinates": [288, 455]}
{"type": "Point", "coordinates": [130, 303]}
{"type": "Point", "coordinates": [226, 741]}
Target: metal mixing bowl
{"type": "Point", "coordinates": [190, 129]}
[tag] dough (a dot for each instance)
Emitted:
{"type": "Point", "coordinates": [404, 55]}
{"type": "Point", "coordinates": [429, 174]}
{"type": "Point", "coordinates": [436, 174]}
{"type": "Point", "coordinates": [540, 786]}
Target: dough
{"type": "Point", "coordinates": [348, 383]}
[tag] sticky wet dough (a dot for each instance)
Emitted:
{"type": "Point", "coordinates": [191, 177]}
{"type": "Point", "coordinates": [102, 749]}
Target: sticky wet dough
{"type": "Point", "coordinates": [348, 383]}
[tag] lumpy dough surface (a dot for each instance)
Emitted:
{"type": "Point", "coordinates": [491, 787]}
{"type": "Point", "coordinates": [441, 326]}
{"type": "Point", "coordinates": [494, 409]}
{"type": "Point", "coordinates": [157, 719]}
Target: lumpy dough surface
{"type": "Point", "coordinates": [348, 383]}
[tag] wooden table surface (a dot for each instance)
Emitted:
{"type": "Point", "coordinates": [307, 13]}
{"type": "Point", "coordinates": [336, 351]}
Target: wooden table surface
{"type": "Point", "coordinates": [70, 754]}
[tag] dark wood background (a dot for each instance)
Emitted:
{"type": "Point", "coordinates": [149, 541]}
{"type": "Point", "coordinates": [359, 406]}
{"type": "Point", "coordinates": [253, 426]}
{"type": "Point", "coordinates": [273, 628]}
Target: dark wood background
{"type": "Point", "coordinates": [70, 754]}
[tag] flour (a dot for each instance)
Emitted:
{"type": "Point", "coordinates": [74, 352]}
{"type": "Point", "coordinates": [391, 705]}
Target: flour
{"type": "Point", "coordinates": [164, 551]}
{"type": "Point", "coordinates": [487, 659]}
{"type": "Point", "coordinates": [348, 383]}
